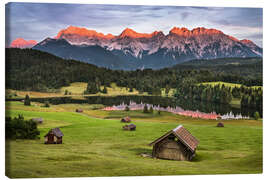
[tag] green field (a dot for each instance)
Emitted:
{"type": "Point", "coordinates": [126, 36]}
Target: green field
{"type": "Point", "coordinates": [232, 85]}
{"type": "Point", "coordinates": [76, 90]}
{"type": "Point", "coordinates": [94, 144]}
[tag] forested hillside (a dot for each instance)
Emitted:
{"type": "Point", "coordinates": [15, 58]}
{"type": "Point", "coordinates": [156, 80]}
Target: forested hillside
{"type": "Point", "coordinates": [28, 69]}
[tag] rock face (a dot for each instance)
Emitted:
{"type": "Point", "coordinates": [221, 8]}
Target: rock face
{"type": "Point", "coordinates": [155, 50]}
{"type": "Point", "coordinates": [38, 120]}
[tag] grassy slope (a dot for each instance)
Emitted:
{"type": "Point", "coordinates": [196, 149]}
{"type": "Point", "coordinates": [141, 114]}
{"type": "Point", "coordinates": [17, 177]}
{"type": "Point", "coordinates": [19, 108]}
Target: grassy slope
{"type": "Point", "coordinates": [77, 89]}
{"type": "Point", "coordinates": [232, 85]}
{"type": "Point", "coordinates": [99, 147]}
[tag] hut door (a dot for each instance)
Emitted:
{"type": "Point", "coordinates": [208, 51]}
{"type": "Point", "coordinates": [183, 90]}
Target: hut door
{"type": "Point", "coordinates": [50, 138]}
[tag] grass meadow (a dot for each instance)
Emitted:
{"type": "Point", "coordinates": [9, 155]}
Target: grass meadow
{"type": "Point", "coordinates": [76, 90]}
{"type": "Point", "coordinates": [226, 84]}
{"type": "Point", "coordinates": [94, 144]}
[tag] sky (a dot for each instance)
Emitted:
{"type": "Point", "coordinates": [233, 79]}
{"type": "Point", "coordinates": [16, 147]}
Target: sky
{"type": "Point", "coordinates": [37, 21]}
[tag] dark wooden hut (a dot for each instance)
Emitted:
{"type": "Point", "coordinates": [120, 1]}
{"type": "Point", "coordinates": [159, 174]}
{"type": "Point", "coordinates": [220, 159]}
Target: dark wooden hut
{"type": "Point", "coordinates": [126, 119]}
{"type": "Point", "coordinates": [220, 124]}
{"type": "Point", "coordinates": [54, 136]}
{"type": "Point", "coordinates": [130, 127]}
{"type": "Point", "coordinates": [38, 120]}
{"type": "Point", "coordinates": [79, 110]}
{"type": "Point", "coordinates": [177, 144]}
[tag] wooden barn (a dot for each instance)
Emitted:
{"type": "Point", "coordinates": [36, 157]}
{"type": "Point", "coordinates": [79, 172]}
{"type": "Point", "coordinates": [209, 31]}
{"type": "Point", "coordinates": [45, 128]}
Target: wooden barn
{"type": "Point", "coordinates": [130, 127]}
{"type": "Point", "coordinates": [220, 124]}
{"type": "Point", "coordinates": [38, 120]}
{"type": "Point", "coordinates": [177, 144]}
{"type": "Point", "coordinates": [54, 136]}
{"type": "Point", "coordinates": [126, 119]}
{"type": "Point", "coordinates": [79, 110]}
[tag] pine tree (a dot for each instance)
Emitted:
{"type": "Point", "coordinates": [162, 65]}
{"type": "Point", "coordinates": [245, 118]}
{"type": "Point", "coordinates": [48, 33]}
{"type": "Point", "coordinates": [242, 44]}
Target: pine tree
{"type": "Point", "coordinates": [167, 90]}
{"type": "Point", "coordinates": [151, 110]}
{"type": "Point", "coordinates": [126, 108]}
{"type": "Point", "coordinates": [46, 104]}
{"type": "Point", "coordinates": [256, 115]}
{"type": "Point", "coordinates": [105, 90]}
{"type": "Point", "coordinates": [145, 109]}
{"type": "Point", "coordinates": [27, 101]}
{"type": "Point", "coordinates": [91, 88]}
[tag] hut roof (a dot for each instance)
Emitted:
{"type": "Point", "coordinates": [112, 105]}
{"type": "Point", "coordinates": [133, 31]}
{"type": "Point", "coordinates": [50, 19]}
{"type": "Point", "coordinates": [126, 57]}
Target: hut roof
{"type": "Point", "coordinates": [183, 135]}
{"type": "Point", "coordinates": [127, 118]}
{"type": "Point", "coordinates": [56, 131]}
{"type": "Point", "coordinates": [37, 119]}
{"type": "Point", "coordinates": [220, 124]}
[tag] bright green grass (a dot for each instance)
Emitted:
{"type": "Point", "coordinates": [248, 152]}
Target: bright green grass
{"type": "Point", "coordinates": [78, 88]}
{"type": "Point", "coordinates": [99, 147]}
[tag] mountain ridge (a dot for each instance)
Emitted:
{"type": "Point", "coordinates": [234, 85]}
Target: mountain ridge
{"type": "Point", "coordinates": [153, 50]}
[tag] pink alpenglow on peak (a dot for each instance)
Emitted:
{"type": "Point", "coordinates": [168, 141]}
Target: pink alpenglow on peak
{"type": "Point", "coordinates": [133, 34]}
{"type": "Point", "coordinates": [83, 32]}
{"type": "Point", "coordinates": [22, 43]}
{"type": "Point", "coordinates": [247, 42]}
{"type": "Point", "coordinates": [194, 32]}
{"type": "Point", "coordinates": [72, 30]}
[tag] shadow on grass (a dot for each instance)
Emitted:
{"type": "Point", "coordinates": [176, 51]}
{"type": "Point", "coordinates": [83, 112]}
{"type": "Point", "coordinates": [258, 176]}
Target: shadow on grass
{"type": "Point", "coordinates": [198, 158]}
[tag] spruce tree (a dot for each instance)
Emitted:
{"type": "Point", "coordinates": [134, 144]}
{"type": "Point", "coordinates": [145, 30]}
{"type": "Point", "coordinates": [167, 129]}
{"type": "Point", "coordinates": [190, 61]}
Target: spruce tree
{"type": "Point", "coordinates": [256, 115]}
{"type": "Point", "coordinates": [105, 90]}
{"type": "Point", "coordinates": [145, 109]}
{"type": "Point", "coordinates": [27, 101]}
{"type": "Point", "coordinates": [151, 110]}
{"type": "Point", "coordinates": [126, 108]}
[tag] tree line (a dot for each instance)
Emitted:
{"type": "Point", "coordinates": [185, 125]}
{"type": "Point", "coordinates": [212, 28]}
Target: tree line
{"type": "Point", "coordinates": [215, 94]}
{"type": "Point", "coordinates": [28, 69]}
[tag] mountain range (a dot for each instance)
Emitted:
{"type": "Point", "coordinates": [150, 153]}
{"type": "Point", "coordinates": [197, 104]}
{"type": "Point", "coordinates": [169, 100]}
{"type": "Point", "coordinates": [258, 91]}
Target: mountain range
{"type": "Point", "coordinates": [132, 50]}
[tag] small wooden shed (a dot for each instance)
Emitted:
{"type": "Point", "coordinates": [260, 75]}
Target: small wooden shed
{"type": "Point", "coordinates": [126, 119]}
{"type": "Point", "coordinates": [130, 127]}
{"type": "Point", "coordinates": [177, 144]}
{"type": "Point", "coordinates": [38, 120]}
{"type": "Point", "coordinates": [54, 136]}
{"type": "Point", "coordinates": [220, 124]}
{"type": "Point", "coordinates": [79, 110]}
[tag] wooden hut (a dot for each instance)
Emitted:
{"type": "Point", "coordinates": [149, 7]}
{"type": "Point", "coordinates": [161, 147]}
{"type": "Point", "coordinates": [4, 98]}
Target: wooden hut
{"type": "Point", "coordinates": [38, 120]}
{"type": "Point", "coordinates": [126, 119]}
{"type": "Point", "coordinates": [54, 136]}
{"type": "Point", "coordinates": [177, 144]}
{"type": "Point", "coordinates": [130, 127]}
{"type": "Point", "coordinates": [220, 124]}
{"type": "Point", "coordinates": [79, 110]}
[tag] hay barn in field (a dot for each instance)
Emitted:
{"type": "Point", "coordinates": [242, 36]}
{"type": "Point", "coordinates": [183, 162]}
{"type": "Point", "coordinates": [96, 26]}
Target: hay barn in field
{"type": "Point", "coordinates": [220, 124]}
{"type": "Point", "coordinates": [130, 127]}
{"type": "Point", "coordinates": [126, 119]}
{"type": "Point", "coordinates": [38, 120]}
{"type": "Point", "coordinates": [79, 110]}
{"type": "Point", "coordinates": [54, 136]}
{"type": "Point", "coordinates": [177, 144]}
